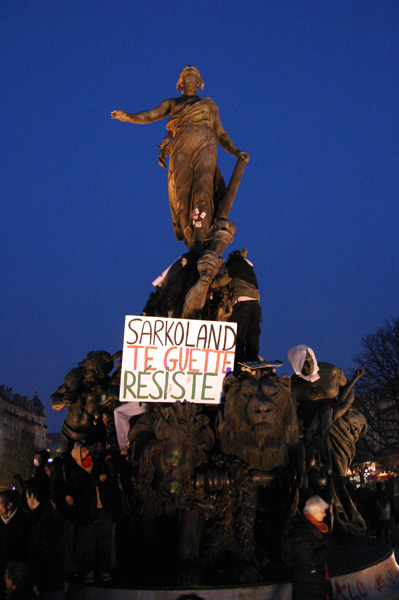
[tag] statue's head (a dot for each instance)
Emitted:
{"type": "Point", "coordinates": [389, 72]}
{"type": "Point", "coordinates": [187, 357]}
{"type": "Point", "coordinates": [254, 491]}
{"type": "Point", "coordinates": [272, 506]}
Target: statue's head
{"type": "Point", "coordinates": [96, 365]}
{"type": "Point", "coordinates": [190, 75]}
{"type": "Point", "coordinates": [304, 363]}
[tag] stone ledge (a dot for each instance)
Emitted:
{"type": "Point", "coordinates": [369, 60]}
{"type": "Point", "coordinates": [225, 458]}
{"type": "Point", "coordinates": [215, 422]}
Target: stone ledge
{"type": "Point", "coordinates": [379, 579]}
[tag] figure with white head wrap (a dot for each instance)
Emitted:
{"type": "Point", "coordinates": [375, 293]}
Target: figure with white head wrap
{"type": "Point", "coordinates": [324, 397]}
{"type": "Point", "coordinates": [306, 549]}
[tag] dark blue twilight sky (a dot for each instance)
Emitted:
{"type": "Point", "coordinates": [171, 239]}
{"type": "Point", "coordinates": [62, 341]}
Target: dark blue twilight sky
{"type": "Point", "coordinates": [309, 89]}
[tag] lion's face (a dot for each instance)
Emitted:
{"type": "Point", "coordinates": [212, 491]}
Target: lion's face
{"type": "Point", "coordinates": [170, 443]}
{"type": "Point", "coordinates": [259, 422]}
{"type": "Point", "coordinates": [174, 465]}
{"type": "Point", "coordinates": [261, 410]}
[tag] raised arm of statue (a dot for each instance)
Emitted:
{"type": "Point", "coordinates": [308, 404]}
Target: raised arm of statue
{"type": "Point", "coordinates": [146, 116]}
{"type": "Point", "coordinates": [347, 393]}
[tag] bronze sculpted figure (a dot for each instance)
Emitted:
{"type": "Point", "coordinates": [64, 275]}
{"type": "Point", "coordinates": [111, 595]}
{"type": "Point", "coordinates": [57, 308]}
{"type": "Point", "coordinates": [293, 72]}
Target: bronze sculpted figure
{"type": "Point", "coordinates": [167, 445]}
{"type": "Point", "coordinates": [195, 183]}
{"type": "Point", "coordinates": [86, 391]}
{"type": "Point", "coordinates": [220, 491]}
{"type": "Point", "coordinates": [331, 427]}
{"type": "Point", "coordinates": [259, 429]}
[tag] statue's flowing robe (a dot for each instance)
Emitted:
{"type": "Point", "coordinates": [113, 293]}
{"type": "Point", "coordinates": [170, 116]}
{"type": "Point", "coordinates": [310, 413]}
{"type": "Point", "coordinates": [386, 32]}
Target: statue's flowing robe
{"type": "Point", "coordinates": [343, 433]}
{"type": "Point", "coordinates": [335, 439]}
{"type": "Point", "coordinates": [195, 184]}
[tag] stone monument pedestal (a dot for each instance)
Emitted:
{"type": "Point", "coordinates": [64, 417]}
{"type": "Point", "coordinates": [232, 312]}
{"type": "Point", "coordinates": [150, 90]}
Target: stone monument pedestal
{"type": "Point", "coordinates": [361, 569]}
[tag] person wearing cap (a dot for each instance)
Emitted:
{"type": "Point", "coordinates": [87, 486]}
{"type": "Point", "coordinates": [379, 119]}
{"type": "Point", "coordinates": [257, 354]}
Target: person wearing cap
{"type": "Point", "coordinates": [306, 550]}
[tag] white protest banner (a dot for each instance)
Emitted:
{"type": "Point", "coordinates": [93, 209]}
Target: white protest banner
{"type": "Point", "coordinates": [165, 360]}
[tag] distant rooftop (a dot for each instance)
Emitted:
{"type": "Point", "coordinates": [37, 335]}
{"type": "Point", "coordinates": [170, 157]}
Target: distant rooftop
{"type": "Point", "coordinates": [34, 406]}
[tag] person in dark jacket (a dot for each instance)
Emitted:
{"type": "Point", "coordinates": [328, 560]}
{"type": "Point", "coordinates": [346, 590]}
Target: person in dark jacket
{"type": "Point", "coordinates": [306, 550]}
{"type": "Point", "coordinates": [244, 298]}
{"type": "Point", "coordinates": [362, 500]}
{"type": "Point", "coordinates": [40, 460]}
{"type": "Point", "coordinates": [381, 512]}
{"type": "Point", "coordinates": [15, 529]}
{"type": "Point", "coordinates": [47, 541]}
{"type": "Point", "coordinates": [97, 500]}
{"type": "Point", "coordinates": [60, 488]}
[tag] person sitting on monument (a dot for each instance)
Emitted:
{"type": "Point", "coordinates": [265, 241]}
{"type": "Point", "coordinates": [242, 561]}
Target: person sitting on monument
{"type": "Point", "coordinates": [195, 183]}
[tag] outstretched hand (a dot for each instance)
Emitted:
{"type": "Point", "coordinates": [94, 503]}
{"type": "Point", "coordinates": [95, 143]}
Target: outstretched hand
{"type": "Point", "coordinates": [359, 372]}
{"type": "Point", "coordinates": [209, 262]}
{"type": "Point", "coordinates": [118, 114]}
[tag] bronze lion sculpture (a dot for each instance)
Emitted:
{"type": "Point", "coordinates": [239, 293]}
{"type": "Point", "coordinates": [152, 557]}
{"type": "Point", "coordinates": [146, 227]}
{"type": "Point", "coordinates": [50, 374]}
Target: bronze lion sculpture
{"type": "Point", "coordinates": [167, 445]}
{"type": "Point", "coordinates": [259, 429]}
{"type": "Point", "coordinates": [219, 493]}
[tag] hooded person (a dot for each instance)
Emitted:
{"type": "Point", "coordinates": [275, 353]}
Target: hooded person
{"type": "Point", "coordinates": [306, 550]}
{"type": "Point", "coordinates": [323, 396]}
{"type": "Point", "coordinates": [95, 497]}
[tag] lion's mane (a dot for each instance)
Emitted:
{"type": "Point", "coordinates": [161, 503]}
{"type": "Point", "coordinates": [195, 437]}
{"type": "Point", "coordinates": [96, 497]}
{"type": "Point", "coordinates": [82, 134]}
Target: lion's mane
{"type": "Point", "coordinates": [237, 437]}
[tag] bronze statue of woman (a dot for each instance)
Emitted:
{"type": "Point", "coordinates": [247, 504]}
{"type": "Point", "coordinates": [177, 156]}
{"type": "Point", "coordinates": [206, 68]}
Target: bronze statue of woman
{"type": "Point", "coordinates": [195, 183]}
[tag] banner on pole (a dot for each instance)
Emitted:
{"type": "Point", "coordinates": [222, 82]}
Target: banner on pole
{"type": "Point", "coordinates": [166, 359]}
